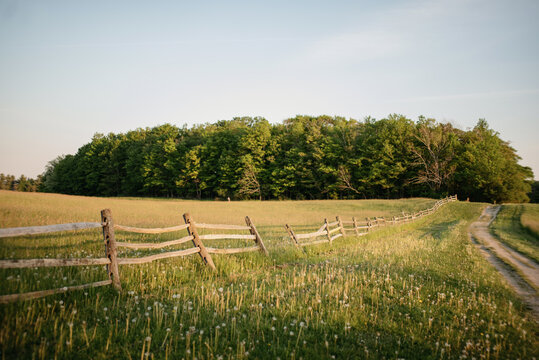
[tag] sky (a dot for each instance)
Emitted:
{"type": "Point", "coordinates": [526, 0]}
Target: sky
{"type": "Point", "coordinates": [70, 69]}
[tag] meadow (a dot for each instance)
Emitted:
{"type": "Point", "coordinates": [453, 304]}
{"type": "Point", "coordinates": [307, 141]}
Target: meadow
{"type": "Point", "coordinates": [419, 290]}
{"type": "Point", "coordinates": [530, 219]}
{"type": "Point", "coordinates": [517, 225]}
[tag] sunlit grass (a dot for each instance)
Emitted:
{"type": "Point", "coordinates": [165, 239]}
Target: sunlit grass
{"type": "Point", "coordinates": [509, 228]}
{"type": "Point", "coordinates": [530, 218]}
{"type": "Point", "coordinates": [418, 290]}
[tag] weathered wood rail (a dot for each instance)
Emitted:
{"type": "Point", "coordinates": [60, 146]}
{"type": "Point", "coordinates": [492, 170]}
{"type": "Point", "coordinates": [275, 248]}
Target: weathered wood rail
{"type": "Point", "coordinates": [325, 233]}
{"type": "Point", "coordinates": [113, 261]}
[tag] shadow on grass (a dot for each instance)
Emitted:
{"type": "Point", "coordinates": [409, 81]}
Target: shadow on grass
{"type": "Point", "coordinates": [439, 230]}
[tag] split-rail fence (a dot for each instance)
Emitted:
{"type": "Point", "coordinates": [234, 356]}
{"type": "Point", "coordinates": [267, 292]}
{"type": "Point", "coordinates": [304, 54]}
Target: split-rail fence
{"type": "Point", "coordinates": [111, 259]}
{"type": "Point", "coordinates": [330, 231]}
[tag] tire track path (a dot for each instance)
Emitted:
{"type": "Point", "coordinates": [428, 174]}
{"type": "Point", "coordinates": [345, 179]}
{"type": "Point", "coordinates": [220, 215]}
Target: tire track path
{"type": "Point", "coordinates": [524, 275]}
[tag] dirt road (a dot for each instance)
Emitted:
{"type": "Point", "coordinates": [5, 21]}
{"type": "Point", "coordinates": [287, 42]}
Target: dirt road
{"type": "Point", "coordinates": [521, 272]}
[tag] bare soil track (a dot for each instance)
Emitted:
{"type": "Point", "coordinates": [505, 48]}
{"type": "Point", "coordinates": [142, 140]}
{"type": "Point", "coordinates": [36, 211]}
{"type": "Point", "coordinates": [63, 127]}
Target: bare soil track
{"type": "Point", "coordinates": [521, 272]}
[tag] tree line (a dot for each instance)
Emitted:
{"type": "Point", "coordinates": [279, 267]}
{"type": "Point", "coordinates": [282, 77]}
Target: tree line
{"type": "Point", "coordinates": [304, 157]}
{"type": "Point", "coordinates": [22, 183]}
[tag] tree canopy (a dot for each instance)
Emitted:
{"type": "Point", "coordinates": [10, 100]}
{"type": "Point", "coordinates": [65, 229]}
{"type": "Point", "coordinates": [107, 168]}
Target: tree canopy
{"type": "Point", "coordinates": [304, 157]}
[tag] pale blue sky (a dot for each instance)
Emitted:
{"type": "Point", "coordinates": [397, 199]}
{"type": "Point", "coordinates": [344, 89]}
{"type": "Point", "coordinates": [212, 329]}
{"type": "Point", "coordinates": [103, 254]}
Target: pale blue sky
{"type": "Point", "coordinates": [69, 69]}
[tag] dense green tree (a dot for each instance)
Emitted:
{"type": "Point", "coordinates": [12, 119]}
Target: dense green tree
{"type": "Point", "coordinates": [304, 157]}
{"type": "Point", "coordinates": [488, 169]}
{"type": "Point", "coordinates": [534, 194]}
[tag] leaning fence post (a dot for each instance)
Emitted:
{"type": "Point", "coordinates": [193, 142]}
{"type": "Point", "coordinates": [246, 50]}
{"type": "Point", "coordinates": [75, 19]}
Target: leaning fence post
{"type": "Point", "coordinates": [292, 235]}
{"type": "Point", "coordinates": [355, 225]}
{"type": "Point", "coordinates": [258, 239]}
{"type": "Point", "coordinates": [110, 248]}
{"type": "Point", "coordinates": [192, 230]}
{"type": "Point", "coordinates": [327, 229]}
{"type": "Point", "coordinates": [341, 225]}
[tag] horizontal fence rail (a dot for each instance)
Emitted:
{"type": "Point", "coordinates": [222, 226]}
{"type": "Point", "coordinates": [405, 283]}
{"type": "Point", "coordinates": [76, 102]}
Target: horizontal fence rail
{"type": "Point", "coordinates": [150, 258]}
{"type": "Point", "coordinates": [32, 230]}
{"type": "Point", "coordinates": [112, 261]}
{"type": "Point", "coordinates": [39, 294]}
{"type": "Point", "coordinates": [29, 263]}
{"type": "Point", "coordinates": [150, 231]}
{"type": "Point", "coordinates": [155, 245]}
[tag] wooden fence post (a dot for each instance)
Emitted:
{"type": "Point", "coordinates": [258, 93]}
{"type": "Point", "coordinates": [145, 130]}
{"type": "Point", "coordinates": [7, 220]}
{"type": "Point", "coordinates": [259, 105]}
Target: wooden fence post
{"type": "Point", "coordinates": [292, 234]}
{"type": "Point", "coordinates": [110, 248]}
{"type": "Point", "coordinates": [327, 229]}
{"type": "Point", "coordinates": [393, 221]}
{"type": "Point", "coordinates": [192, 230]}
{"type": "Point", "coordinates": [368, 224]}
{"type": "Point", "coordinates": [341, 226]}
{"type": "Point", "coordinates": [355, 225]}
{"type": "Point", "coordinates": [258, 239]}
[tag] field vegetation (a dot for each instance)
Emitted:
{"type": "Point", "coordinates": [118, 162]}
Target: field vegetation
{"type": "Point", "coordinates": [530, 219]}
{"type": "Point", "coordinates": [517, 225]}
{"type": "Point", "coordinates": [418, 290]}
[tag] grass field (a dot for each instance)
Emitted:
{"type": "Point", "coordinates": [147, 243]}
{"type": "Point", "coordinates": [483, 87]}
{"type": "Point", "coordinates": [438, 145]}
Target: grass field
{"type": "Point", "coordinates": [517, 225]}
{"type": "Point", "coordinates": [530, 219]}
{"type": "Point", "coordinates": [418, 290]}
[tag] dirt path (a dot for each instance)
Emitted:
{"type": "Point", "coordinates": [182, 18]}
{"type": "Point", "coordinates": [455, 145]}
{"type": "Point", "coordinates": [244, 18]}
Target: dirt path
{"type": "Point", "coordinates": [521, 272]}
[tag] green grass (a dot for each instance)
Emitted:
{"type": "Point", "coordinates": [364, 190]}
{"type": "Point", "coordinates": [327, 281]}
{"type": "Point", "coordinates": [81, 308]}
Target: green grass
{"type": "Point", "coordinates": [419, 290]}
{"type": "Point", "coordinates": [509, 228]}
{"type": "Point", "coordinates": [530, 219]}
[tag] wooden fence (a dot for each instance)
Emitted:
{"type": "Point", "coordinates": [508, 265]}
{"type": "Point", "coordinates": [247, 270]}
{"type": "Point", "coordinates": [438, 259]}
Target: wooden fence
{"type": "Point", "coordinates": [111, 259]}
{"type": "Point", "coordinates": [325, 233]}
{"type": "Point", "coordinates": [328, 232]}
